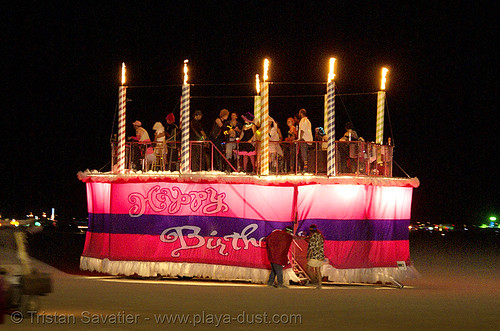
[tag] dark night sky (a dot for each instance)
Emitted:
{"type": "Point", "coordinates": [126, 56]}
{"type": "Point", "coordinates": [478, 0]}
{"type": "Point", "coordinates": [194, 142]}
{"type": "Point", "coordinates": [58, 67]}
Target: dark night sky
{"type": "Point", "coordinates": [63, 65]}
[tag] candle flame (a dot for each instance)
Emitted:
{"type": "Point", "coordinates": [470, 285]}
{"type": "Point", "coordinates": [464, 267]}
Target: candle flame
{"type": "Point", "coordinates": [266, 69]}
{"type": "Point", "coordinates": [123, 73]}
{"type": "Point", "coordinates": [257, 83]}
{"type": "Point", "coordinates": [384, 80]}
{"type": "Point", "coordinates": [331, 73]}
{"type": "Point", "coordinates": [185, 71]}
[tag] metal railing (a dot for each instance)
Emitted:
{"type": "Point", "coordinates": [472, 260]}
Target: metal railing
{"type": "Point", "coordinates": [352, 158]}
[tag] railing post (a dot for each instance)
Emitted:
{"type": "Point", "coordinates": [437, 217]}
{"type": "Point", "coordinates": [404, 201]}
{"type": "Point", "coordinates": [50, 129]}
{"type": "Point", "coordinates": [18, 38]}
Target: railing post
{"type": "Point", "coordinates": [113, 151]}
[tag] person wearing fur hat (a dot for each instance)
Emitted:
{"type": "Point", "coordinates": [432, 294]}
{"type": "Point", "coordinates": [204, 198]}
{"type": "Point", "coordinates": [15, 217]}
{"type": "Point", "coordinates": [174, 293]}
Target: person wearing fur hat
{"type": "Point", "coordinates": [315, 252]}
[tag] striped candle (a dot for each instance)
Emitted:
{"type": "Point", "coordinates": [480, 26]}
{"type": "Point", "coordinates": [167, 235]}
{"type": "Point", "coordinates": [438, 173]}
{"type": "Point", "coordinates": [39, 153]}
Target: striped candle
{"type": "Point", "coordinates": [184, 168]}
{"type": "Point", "coordinates": [379, 135]}
{"type": "Point", "coordinates": [122, 107]}
{"type": "Point", "coordinates": [257, 110]}
{"type": "Point", "coordinates": [325, 115]}
{"type": "Point", "coordinates": [264, 127]}
{"type": "Point", "coordinates": [257, 120]}
{"type": "Point", "coordinates": [330, 124]}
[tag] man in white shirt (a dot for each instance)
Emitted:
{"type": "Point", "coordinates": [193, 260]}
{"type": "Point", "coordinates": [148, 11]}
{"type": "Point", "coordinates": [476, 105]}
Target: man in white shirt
{"type": "Point", "coordinates": [305, 134]}
{"type": "Point", "coordinates": [139, 151]}
{"type": "Point", "coordinates": [140, 133]}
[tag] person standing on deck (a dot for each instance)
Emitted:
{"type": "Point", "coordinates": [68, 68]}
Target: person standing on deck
{"type": "Point", "coordinates": [232, 130]}
{"type": "Point", "coordinates": [138, 150]}
{"type": "Point", "coordinates": [217, 137]}
{"type": "Point", "coordinates": [304, 134]}
{"type": "Point", "coordinates": [199, 159]}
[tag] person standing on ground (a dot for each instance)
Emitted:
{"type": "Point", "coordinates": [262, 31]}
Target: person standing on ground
{"type": "Point", "coordinates": [316, 252]}
{"type": "Point", "coordinates": [277, 246]}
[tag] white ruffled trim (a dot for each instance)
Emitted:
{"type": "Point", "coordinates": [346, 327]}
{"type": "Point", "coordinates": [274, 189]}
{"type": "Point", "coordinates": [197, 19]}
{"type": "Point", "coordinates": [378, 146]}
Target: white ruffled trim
{"type": "Point", "coordinates": [242, 178]}
{"type": "Point", "coordinates": [368, 275]}
{"type": "Point", "coordinates": [254, 275]}
{"type": "Point", "coordinates": [173, 269]}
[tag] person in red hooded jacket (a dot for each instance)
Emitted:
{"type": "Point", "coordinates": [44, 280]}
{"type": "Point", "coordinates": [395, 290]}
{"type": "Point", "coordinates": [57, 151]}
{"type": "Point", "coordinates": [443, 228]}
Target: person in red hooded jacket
{"type": "Point", "coordinates": [277, 246]}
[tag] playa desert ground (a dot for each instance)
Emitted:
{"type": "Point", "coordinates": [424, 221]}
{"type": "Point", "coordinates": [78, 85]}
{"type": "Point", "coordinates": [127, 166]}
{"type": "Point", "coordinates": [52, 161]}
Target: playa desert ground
{"type": "Point", "coordinates": [458, 289]}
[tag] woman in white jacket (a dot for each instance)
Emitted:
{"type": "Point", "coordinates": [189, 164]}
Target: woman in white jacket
{"type": "Point", "coordinates": [274, 143]}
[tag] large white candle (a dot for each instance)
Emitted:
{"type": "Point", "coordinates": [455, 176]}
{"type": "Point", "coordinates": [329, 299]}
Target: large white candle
{"type": "Point", "coordinates": [184, 168]}
{"type": "Point", "coordinates": [379, 134]}
{"type": "Point", "coordinates": [330, 122]}
{"type": "Point", "coordinates": [264, 123]}
{"type": "Point", "coordinates": [122, 109]}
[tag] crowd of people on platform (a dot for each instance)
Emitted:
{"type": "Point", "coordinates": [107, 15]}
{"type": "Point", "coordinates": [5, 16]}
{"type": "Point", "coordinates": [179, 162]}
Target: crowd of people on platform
{"type": "Point", "coordinates": [235, 141]}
